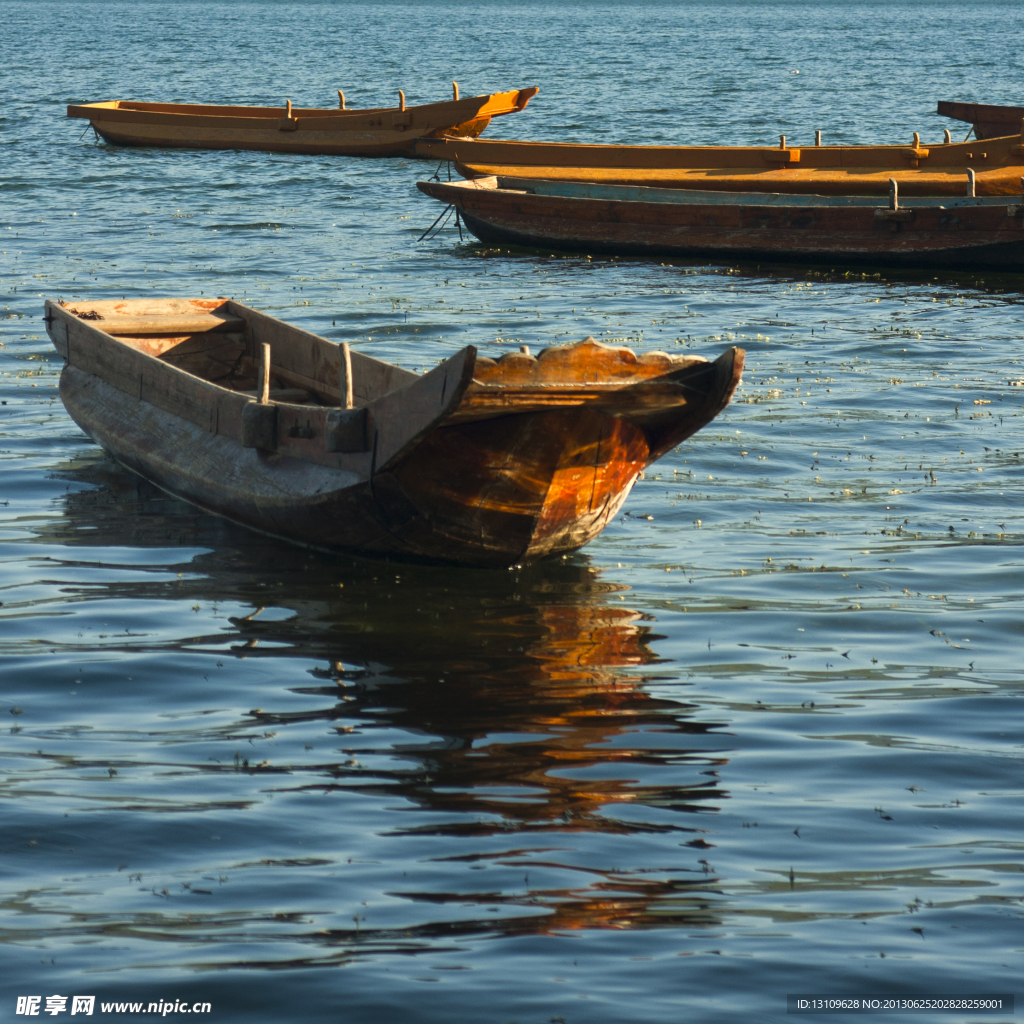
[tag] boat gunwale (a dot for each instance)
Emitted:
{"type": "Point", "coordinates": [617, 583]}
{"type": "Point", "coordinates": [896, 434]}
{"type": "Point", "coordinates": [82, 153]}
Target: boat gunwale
{"type": "Point", "coordinates": [653, 196]}
{"type": "Point", "coordinates": [469, 108]}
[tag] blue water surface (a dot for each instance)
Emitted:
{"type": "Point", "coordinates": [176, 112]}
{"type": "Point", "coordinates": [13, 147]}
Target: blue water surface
{"type": "Point", "coordinates": [760, 738]}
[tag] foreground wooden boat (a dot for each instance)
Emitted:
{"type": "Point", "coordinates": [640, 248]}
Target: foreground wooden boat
{"type": "Point", "coordinates": [389, 131]}
{"type": "Point", "coordinates": [920, 169]}
{"type": "Point", "coordinates": [959, 233]}
{"type": "Point", "coordinates": [480, 461]}
{"type": "Point", "coordinates": [990, 122]}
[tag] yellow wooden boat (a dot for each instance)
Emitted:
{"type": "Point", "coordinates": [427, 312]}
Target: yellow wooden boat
{"type": "Point", "coordinates": [993, 167]}
{"type": "Point", "coordinates": [384, 131]}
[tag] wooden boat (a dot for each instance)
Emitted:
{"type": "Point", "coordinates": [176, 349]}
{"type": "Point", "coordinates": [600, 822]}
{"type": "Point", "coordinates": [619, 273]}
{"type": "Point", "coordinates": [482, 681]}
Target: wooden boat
{"type": "Point", "coordinates": [388, 131]}
{"type": "Point", "coordinates": [920, 170]}
{"type": "Point", "coordinates": [480, 461]}
{"type": "Point", "coordinates": [990, 122]}
{"type": "Point", "coordinates": [966, 232]}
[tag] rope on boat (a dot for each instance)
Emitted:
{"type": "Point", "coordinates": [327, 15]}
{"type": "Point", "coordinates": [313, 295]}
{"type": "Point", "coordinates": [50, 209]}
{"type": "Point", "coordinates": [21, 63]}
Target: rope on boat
{"type": "Point", "coordinates": [437, 174]}
{"type": "Point", "coordinates": [445, 213]}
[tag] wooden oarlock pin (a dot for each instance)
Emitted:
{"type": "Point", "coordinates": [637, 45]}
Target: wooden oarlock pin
{"type": "Point", "coordinates": [817, 138]}
{"type": "Point", "coordinates": [917, 140]}
{"type": "Point", "coordinates": [947, 138]}
{"type": "Point", "coordinates": [455, 90]}
{"type": "Point", "coordinates": [264, 377]}
{"type": "Point", "coordinates": [288, 109]}
{"type": "Point", "coordinates": [971, 183]}
{"type": "Point", "coordinates": [346, 376]}
{"type": "Point", "coordinates": [401, 100]}
{"type": "Point", "coordinates": [894, 195]}
{"type": "Point", "coordinates": [782, 142]}
{"type": "Point", "coordinates": [341, 100]}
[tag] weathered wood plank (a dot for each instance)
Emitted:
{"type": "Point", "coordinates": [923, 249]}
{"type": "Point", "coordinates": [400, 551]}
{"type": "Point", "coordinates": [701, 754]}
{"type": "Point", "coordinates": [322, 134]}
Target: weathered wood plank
{"type": "Point", "coordinates": [171, 323]}
{"type": "Point", "coordinates": [308, 360]}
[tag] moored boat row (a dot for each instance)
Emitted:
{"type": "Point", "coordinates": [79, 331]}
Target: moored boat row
{"type": "Point", "coordinates": [492, 462]}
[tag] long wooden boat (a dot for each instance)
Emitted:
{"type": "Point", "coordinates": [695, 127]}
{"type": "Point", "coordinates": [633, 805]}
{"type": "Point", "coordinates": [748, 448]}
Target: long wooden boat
{"type": "Point", "coordinates": [480, 461]}
{"type": "Point", "coordinates": [990, 122]}
{"type": "Point", "coordinates": [387, 131]}
{"type": "Point", "coordinates": [920, 169]}
{"type": "Point", "coordinates": [965, 232]}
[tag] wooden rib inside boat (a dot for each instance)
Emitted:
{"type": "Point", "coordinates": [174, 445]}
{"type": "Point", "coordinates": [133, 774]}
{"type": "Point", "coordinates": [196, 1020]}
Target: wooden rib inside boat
{"type": "Point", "coordinates": [384, 131]}
{"type": "Point", "coordinates": [965, 232]}
{"type": "Point", "coordinates": [921, 169]}
{"type": "Point", "coordinates": [488, 462]}
{"type": "Point", "coordinates": [989, 121]}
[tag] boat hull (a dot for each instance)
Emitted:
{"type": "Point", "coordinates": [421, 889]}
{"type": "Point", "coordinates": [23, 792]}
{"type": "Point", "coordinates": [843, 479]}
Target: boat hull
{"type": "Point", "coordinates": [923, 170]}
{"type": "Point", "coordinates": [371, 133]}
{"type": "Point", "coordinates": [965, 237]}
{"type": "Point", "coordinates": [505, 491]}
{"type": "Point", "coordinates": [989, 121]}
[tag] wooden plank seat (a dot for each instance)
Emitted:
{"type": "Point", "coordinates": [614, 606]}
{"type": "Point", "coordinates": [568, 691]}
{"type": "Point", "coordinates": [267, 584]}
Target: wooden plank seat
{"type": "Point", "coordinates": [172, 323]}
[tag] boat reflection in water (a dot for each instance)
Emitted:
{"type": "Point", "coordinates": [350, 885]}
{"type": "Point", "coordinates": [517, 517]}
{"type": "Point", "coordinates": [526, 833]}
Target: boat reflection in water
{"type": "Point", "coordinates": [498, 719]}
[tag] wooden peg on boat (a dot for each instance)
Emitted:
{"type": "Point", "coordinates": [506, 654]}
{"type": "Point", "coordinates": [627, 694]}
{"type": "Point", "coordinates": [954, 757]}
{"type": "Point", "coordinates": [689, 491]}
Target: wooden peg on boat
{"type": "Point", "coordinates": [894, 194]}
{"type": "Point", "coordinates": [947, 138]}
{"type": "Point", "coordinates": [401, 100]}
{"type": "Point", "coordinates": [341, 100]}
{"type": "Point", "coordinates": [264, 375]}
{"type": "Point", "coordinates": [346, 376]}
{"type": "Point", "coordinates": [817, 138]}
{"type": "Point", "coordinates": [455, 90]}
{"type": "Point", "coordinates": [971, 183]}
{"type": "Point", "coordinates": [782, 142]}
{"type": "Point", "coordinates": [917, 140]}
{"type": "Point", "coordinates": [288, 109]}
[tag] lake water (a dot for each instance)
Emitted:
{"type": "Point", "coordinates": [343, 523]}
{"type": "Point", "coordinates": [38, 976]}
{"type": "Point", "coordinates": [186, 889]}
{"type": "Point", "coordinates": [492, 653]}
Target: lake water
{"type": "Point", "coordinates": [761, 738]}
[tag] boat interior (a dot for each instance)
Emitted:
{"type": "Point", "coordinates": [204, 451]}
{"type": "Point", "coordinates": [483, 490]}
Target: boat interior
{"type": "Point", "coordinates": [699, 197]}
{"type": "Point", "coordinates": [217, 341]}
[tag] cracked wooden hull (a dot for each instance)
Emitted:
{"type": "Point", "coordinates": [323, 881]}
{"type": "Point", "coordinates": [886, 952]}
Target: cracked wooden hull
{"type": "Point", "coordinates": [479, 462]}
